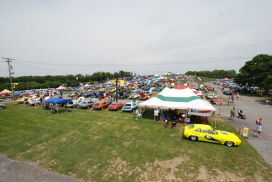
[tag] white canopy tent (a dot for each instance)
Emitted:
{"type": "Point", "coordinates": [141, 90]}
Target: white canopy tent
{"type": "Point", "coordinates": [180, 99]}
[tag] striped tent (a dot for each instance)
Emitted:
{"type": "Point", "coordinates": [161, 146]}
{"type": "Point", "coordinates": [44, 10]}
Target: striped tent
{"type": "Point", "coordinates": [178, 99]}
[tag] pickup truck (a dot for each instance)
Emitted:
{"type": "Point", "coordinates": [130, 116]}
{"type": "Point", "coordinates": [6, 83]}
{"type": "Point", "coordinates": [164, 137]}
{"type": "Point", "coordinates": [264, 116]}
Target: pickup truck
{"type": "Point", "coordinates": [130, 106]}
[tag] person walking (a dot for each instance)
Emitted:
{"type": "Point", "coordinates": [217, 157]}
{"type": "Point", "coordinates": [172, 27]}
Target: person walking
{"type": "Point", "coordinates": [237, 95]}
{"type": "Point", "coordinates": [232, 97]}
{"type": "Point", "coordinates": [259, 124]}
{"type": "Point", "coordinates": [232, 113]}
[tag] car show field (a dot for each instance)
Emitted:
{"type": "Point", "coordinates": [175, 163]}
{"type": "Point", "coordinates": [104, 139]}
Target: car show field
{"type": "Point", "coordinates": [96, 144]}
{"type": "Point", "coordinates": [107, 146]}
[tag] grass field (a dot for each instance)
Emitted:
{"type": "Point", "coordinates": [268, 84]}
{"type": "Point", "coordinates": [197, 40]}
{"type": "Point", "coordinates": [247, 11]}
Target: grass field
{"type": "Point", "coordinates": [111, 146]}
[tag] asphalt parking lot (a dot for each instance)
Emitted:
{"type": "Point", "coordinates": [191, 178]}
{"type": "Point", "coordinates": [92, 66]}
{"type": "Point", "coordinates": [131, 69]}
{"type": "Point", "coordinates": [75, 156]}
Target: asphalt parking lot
{"type": "Point", "coordinates": [254, 110]}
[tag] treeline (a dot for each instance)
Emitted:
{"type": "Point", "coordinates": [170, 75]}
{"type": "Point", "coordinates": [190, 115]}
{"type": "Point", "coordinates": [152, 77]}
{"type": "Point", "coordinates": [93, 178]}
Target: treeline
{"type": "Point", "coordinates": [214, 73]}
{"type": "Point", "coordinates": [48, 81]}
{"type": "Point", "coordinates": [256, 72]}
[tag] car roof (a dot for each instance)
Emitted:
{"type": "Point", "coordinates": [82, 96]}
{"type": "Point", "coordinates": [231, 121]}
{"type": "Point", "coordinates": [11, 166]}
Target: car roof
{"type": "Point", "coordinates": [201, 126]}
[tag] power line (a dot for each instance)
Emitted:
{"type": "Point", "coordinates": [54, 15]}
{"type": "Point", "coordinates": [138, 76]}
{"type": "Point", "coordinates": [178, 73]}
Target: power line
{"type": "Point", "coordinates": [145, 64]}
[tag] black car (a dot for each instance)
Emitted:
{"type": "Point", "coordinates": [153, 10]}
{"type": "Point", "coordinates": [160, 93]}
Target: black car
{"type": "Point", "coordinates": [227, 92]}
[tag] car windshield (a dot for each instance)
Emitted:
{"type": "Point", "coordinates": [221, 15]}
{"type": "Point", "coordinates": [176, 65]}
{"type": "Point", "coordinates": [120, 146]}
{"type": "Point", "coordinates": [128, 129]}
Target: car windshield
{"type": "Point", "coordinates": [97, 104]}
{"type": "Point", "coordinates": [208, 131]}
{"type": "Point", "coordinates": [113, 104]}
{"type": "Point", "coordinates": [215, 131]}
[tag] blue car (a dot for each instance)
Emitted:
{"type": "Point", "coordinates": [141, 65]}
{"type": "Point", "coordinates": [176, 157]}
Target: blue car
{"type": "Point", "coordinates": [227, 92]}
{"type": "Point", "coordinates": [88, 95]}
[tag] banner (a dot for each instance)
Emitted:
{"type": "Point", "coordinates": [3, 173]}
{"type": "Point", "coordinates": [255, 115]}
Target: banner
{"type": "Point", "coordinates": [121, 82]}
{"type": "Point", "coordinates": [199, 112]}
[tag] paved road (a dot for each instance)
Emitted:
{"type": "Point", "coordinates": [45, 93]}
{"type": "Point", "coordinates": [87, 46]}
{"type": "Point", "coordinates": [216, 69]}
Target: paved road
{"type": "Point", "coordinates": [254, 109]}
{"type": "Point", "coordinates": [15, 171]}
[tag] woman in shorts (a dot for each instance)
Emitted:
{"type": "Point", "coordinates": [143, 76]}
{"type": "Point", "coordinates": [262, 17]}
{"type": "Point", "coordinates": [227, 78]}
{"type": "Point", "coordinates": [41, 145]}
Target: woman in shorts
{"type": "Point", "coordinates": [259, 130]}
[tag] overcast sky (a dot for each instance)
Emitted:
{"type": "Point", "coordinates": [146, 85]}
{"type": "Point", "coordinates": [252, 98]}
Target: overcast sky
{"type": "Point", "coordinates": [60, 37]}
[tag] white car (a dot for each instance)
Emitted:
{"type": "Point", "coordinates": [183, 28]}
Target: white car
{"type": "Point", "coordinates": [210, 95]}
{"type": "Point", "coordinates": [34, 101]}
{"type": "Point", "coordinates": [135, 96]}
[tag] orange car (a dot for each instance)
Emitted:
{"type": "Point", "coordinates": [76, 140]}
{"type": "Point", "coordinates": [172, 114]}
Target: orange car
{"type": "Point", "coordinates": [116, 106]}
{"type": "Point", "coordinates": [101, 104]}
{"type": "Point", "coordinates": [144, 96]}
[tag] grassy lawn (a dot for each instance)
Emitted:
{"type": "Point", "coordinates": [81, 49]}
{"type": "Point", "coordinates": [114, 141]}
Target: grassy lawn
{"type": "Point", "coordinates": [111, 146]}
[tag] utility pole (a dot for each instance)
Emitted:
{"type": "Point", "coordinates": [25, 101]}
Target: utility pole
{"type": "Point", "coordinates": [9, 66]}
{"type": "Point", "coordinates": [116, 90]}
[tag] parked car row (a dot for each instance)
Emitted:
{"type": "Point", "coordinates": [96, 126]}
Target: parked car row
{"type": "Point", "coordinates": [214, 99]}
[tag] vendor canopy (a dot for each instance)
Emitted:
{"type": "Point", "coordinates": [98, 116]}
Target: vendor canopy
{"type": "Point", "coordinates": [177, 99]}
{"type": "Point", "coordinates": [6, 91]}
{"type": "Point", "coordinates": [57, 101]}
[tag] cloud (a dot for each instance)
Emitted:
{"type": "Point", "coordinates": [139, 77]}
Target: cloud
{"type": "Point", "coordinates": [51, 37]}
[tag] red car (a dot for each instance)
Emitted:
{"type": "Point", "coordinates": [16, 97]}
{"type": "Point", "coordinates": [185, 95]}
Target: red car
{"type": "Point", "coordinates": [107, 95]}
{"type": "Point", "coordinates": [216, 100]}
{"type": "Point", "coordinates": [116, 106]}
{"type": "Point", "coordinates": [101, 104]}
{"type": "Point", "coordinates": [144, 96]}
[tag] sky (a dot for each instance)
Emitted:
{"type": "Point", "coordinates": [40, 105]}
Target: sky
{"type": "Point", "coordinates": [61, 37]}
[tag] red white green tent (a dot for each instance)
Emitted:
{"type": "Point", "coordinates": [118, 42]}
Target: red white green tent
{"type": "Point", "coordinates": [179, 99]}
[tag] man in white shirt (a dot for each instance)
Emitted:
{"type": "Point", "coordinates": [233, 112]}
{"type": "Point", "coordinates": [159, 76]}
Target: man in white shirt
{"type": "Point", "coordinates": [156, 114]}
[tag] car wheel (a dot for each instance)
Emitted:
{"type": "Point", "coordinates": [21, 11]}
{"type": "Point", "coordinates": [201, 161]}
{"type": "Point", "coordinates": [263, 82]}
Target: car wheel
{"type": "Point", "coordinates": [102, 108]}
{"type": "Point", "coordinates": [1, 107]}
{"type": "Point", "coordinates": [229, 143]}
{"type": "Point", "coordinates": [193, 138]}
{"type": "Point", "coordinates": [87, 107]}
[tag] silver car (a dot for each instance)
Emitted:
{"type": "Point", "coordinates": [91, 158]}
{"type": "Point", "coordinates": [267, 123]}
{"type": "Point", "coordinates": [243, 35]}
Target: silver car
{"type": "Point", "coordinates": [86, 104]}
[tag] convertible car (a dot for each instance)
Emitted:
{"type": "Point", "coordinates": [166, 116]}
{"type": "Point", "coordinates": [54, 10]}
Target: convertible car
{"type": "Point", "coordinates": [206, 133]}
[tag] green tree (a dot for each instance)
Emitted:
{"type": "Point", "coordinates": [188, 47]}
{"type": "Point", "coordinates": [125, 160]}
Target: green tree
{"type": "Point", "coordinates": [256, 72]}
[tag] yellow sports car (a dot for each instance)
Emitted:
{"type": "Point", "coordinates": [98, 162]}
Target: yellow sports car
{"type": "Point", "coordinates": [203, 132]}
{"type": "Point", "coordinates": [22, 100]}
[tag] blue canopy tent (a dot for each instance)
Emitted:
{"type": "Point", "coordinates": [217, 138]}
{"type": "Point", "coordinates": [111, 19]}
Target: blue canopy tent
{"type": "Point", "coordinates": [56, 101]}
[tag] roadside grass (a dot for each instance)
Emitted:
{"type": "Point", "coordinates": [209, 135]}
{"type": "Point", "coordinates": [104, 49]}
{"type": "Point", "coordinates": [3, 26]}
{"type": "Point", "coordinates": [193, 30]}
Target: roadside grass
{"type": "Point", "coordinates": [102, 145]}
{"type": "Point", "coordinates": [226, 102]}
